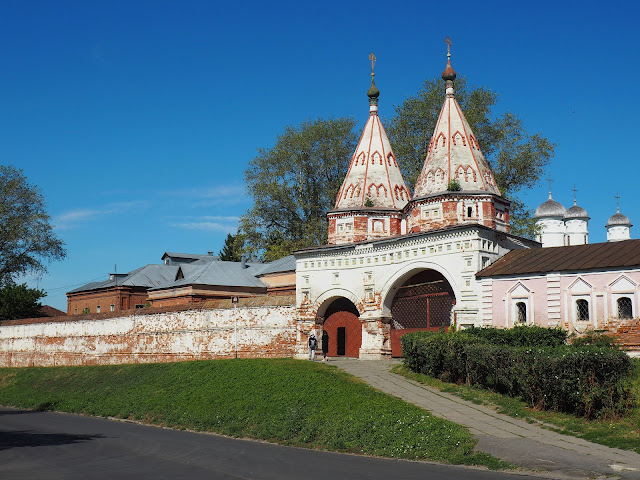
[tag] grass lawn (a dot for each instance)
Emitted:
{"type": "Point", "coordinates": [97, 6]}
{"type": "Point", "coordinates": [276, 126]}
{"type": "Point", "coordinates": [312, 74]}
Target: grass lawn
{"type": "Point", "coordinates": [286, 401]}
{"type": "Point", "coordinates": [622, 433]}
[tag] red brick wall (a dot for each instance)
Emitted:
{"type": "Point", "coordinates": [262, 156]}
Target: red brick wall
{"type": "Point", "coordinates": [395, 226]}
{"type": "Point", "coordinates": [122, 299]}
{"type": "Point", "coordinates": [163, 337]}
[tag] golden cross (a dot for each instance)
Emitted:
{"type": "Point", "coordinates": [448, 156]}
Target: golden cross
{"type": "Point", "coordinates": [617, 197]}
{"type": "Point", "coordinates": [448, 42]}
{"type": "Point", "coordinates": [574, 193]}
{"type": "Point", "coordinates": [372, 59]}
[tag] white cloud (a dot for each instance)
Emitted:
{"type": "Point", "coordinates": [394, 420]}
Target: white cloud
{"type": "Point", "coordinates": [79, 216]}
{"type": "Point", "coordinates": [210, 192]}
{"type": "Point", "coordinates": [209, 196]}
{"type": "Point", "coordinates": [208, 226]}
{"type": "Point", "coordinates": [220, 218]}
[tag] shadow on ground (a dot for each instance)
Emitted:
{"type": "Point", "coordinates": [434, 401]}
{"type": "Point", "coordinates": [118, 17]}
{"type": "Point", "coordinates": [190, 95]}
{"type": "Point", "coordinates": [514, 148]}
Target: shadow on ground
{"type": "Point", "coordinates": [26, 438]}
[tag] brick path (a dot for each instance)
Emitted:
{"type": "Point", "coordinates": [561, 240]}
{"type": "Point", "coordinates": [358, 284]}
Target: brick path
{"type": "Point", "coordinates": [504, 437]}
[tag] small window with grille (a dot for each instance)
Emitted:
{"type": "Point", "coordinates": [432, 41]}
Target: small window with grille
{"type": "Point", "coordinates": [582, 310]}
{"type": "Point", "coordinates": [624, 308]}
{"type": "Point", "coordinates": [521, 313]}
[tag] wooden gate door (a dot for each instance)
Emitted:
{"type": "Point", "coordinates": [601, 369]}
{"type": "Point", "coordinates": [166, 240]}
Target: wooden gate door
{"type": "Point", "coordinates": [345, 331]}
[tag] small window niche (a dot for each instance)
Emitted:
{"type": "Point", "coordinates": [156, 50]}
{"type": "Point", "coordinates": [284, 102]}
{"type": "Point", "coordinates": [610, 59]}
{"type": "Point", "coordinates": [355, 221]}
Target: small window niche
{"type": "Point", "coordinates": [582, 310]}
{"type": "Point", "coordinates": [521, 313]}
{"type": "Point", "coordinates": [625, 309]}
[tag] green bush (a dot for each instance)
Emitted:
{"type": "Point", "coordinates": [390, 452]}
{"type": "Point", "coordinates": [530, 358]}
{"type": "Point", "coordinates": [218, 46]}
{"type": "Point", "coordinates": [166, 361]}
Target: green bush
{"type": "Point", "coordinates": [520, 336]}
{"type": "Point", "coordinates": [595, 338]}
{"type": "Point", "coordinates": [586, 380]}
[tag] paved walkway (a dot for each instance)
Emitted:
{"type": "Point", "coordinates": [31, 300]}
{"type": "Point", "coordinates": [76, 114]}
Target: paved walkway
{"type": "Point", "coordinates": [504, 437]}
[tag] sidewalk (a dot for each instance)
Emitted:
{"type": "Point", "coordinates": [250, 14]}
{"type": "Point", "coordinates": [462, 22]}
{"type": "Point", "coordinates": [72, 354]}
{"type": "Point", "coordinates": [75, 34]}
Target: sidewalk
{"type": "Point", "coordinates": [504, 437]}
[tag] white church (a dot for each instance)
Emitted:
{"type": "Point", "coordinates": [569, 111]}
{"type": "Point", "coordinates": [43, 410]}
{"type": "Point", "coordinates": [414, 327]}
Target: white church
{"type": "Point", "coordinates": [398, 262]}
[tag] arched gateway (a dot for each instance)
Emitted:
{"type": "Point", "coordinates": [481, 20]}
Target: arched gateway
{"type": "Point", "coordinates": [342, 324]}
{"type": "Point", "coordinates": [405, 262]}
{"type": "Point", "coordinates": [423, 302]}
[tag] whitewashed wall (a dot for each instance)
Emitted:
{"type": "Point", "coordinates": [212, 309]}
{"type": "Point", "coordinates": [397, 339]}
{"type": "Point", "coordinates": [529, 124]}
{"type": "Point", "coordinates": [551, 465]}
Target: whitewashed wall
{"type": "Point", "coordinates": [162, 337]}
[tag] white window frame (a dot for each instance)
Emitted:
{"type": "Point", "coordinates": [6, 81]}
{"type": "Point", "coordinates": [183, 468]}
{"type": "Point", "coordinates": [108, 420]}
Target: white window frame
{"type": "Point", "coordinates": [519, 292]}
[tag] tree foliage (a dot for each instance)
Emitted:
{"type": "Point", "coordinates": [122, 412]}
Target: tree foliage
{"type": "Point", "coordinates": [517, 158]}
{"type": "Point", "coordinates": [18, 301]}
{"type": "Point", "coordinates": [232, 248]}
{"type": "Point", "coordinates": [294, 184]}
{"type": "Point", "coordinates": [27, 240]}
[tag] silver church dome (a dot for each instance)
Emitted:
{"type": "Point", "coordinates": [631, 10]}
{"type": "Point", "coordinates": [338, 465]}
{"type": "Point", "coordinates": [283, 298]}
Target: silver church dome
{"type": "Point", "coordinates": [576, 212]}
{"type": "Point", "coordinates": [550, 208]}
{"type": "Point", "coordinates": [618, 219]}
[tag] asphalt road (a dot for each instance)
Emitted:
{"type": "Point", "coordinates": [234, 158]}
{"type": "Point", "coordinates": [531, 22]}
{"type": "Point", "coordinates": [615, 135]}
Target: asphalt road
{"type": "Point", "coordinates": [45, 445]}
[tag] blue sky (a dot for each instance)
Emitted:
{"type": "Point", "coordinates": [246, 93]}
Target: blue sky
{"type": "Point", "coordinates": [137, 119]}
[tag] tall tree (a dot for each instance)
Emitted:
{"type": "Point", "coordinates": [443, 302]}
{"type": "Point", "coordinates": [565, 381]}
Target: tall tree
{"type": "Point", "coordinates": [294, 184]}
{"type": "Point", "coordinates": [233, 248]}
{"type": "Point", "coordinates": [27, 240]}
{"type": "Point", "coordinates": [517, 158]}
{"type": "Point", "coordinates": [19, 301]}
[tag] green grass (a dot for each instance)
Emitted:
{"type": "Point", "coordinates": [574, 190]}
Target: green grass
{"type": "Point", "coordinates": [621, 433]}
{"type": "Point", "coordinates": [285, 401]}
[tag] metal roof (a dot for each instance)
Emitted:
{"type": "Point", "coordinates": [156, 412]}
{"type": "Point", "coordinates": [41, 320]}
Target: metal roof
{"type": "Point", "coordinates": [576, 212]}
{"type": "Point", "coordinates": [550, 208]}
{"type": "Point", "coordinates": [221, 273]}
{"type": "Point", "coordinates": [190, 256]}
{"type": "Point", "coordinates": [284, 264]}
{"type": "Point", "coordinates": [205, 270]}
{"type": "Point", "coordinates": [618, 219]}
{"type": "Point", "coordinates": [595, 256]}
{"type": "Point", "coordinates": [148, 276]}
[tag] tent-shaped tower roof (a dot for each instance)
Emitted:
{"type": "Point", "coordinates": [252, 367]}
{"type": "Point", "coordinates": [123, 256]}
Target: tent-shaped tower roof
{"type": "Point", "coordinates": [374, 179]}
{"type": "Point", "coordinates": [454, 152]}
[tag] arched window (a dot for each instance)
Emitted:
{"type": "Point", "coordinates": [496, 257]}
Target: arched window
{"type": "Point", "coordinates": [582, 310]}
{"type": "Point", "coordinates": [521, 312]}
{"type": "Point", "coordinates": [624, 308]}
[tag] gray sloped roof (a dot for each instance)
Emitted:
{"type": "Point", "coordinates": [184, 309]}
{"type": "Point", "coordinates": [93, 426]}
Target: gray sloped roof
{"type": "Point", "coordinates": [148, 276]}
{"type": "Point", "coordinates": [221, 273]}
{"type": "Point", "coordinates": [189, 257]}
{"type": "Point", "coordinates": [92, 286]}
{"type": "Point", "coordinates": [152, 276]}
{"type": "Point", "coordinates": [284, 264]}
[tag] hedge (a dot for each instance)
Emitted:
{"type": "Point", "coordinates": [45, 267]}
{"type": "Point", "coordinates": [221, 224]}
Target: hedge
{"type": "Point", "coordinates": [591, 381]}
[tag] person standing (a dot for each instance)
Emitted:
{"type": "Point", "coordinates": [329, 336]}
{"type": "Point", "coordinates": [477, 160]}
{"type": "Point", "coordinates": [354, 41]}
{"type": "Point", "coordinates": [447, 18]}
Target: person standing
{"type": "Point", "coordinates": [325, 345]}
{"type": "Point", "coordinates": [313, 343]}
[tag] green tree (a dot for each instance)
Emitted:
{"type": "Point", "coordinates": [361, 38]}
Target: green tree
{"type": "Point", "coordinates": [517, 158]}
{"type": "Point", "coordinates": [27, 239]}
{"type": "Point", "coordinates": [232, 249]}
{"type": "Point", "coordinates": [18, 301]}
{"type": "Point", "coordinates": [294, 184]}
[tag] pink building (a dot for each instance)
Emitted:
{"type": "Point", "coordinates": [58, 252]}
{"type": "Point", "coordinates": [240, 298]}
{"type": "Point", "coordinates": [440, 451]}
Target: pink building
{"type": "Point", "coordinates": [576, 287]}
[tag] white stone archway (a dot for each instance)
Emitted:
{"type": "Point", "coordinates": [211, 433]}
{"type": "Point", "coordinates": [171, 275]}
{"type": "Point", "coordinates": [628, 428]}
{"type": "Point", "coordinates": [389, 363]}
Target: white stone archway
{"type": "Point", "coordinates": [329, 296]}
{"type": "Point", "coordinates": [389, 289]}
